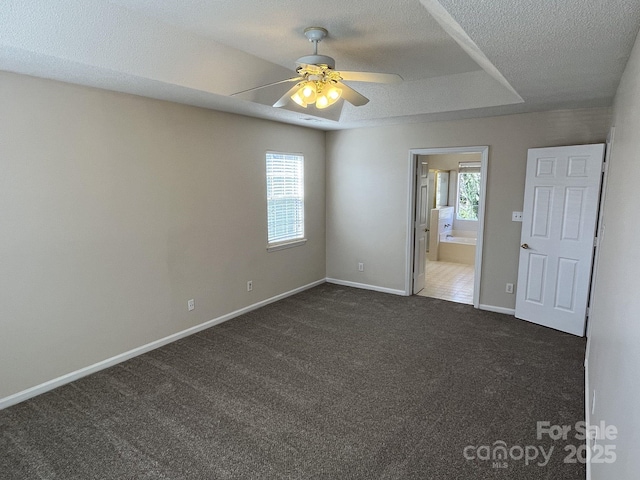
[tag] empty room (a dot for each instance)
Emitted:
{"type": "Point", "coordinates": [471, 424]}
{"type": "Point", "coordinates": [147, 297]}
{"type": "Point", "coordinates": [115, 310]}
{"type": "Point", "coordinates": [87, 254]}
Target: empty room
{"type": "Point", "coordinates": [342, 240]}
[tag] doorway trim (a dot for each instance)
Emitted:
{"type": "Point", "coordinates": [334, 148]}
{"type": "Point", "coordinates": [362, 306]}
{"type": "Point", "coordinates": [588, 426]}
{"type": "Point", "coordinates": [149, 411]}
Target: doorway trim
{"type": "Point", "coordinates": [411, 200]}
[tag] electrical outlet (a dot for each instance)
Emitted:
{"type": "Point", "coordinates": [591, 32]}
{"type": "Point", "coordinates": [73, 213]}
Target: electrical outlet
{"type": "Point", "coordinates": [509, 288]}
{"type": "Point", "coordinates": [361, 267]}
{"type": "Point", "coordinates": [191, 304]}
{"type": "Point", "coordinates": [249, 285]}
{"type": "Point", "coordinates": [516, 216]}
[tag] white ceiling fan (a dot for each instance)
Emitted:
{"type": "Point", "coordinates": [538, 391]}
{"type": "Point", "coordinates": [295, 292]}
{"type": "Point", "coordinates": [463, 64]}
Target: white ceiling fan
{"type": "Point", "coordinates": [317, 81]}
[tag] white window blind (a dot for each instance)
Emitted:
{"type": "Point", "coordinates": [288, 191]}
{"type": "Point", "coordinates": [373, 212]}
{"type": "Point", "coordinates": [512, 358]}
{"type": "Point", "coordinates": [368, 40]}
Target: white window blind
{"type": "Point", "coordinates": [469, 167]}
{"type": "Point", "coordinates": [285, 197]}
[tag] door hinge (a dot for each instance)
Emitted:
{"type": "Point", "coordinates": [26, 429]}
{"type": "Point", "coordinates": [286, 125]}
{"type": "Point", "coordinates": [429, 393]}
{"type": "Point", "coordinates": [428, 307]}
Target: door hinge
{"type": "Point", "coordinates": [595, 241]}
{"type": "Point", "coordinates": [587, 312]}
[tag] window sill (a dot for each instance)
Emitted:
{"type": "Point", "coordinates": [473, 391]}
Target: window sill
{"type": "Point", "coordinates": [281, 246]}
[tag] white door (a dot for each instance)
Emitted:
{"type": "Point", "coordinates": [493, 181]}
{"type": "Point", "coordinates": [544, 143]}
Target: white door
{"type": "Point", "coordinates": [421, 218]}
{"type": "Point", "coordinates": [558, 229]}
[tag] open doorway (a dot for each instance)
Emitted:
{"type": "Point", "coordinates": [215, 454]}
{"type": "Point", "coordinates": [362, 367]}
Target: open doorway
{"type": "Point", "coordinates": [447, 223]}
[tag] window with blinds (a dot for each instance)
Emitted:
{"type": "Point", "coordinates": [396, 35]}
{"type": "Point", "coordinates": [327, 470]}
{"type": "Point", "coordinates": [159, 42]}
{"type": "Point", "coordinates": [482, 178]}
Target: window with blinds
{"type": "Point", "coordinates": [285, 197]}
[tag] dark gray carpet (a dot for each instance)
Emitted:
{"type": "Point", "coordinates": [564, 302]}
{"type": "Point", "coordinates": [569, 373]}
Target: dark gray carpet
{"type": "Point", "coordinates": [333, 383]}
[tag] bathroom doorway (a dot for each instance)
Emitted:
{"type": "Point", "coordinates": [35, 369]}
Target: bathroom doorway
{"type": "Point", "coordinates": [454, 214]}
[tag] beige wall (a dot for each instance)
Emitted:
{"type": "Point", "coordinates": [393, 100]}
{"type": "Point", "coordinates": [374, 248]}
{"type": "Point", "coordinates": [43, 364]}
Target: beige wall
{"type": "Point", "coordinates": [115, 210]}
{"type": "Point", "coordinates": [614, 343]}
{"type": "Point", "coordinates": [368, 180]}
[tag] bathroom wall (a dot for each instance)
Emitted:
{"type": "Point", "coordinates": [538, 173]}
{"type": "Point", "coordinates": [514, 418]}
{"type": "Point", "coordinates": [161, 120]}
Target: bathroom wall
{"type": "Point", "coordinates": [450, 163]}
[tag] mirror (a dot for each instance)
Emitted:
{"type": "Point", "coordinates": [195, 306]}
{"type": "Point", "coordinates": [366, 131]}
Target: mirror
{"type": "Point", "coordinates": [442, 188]}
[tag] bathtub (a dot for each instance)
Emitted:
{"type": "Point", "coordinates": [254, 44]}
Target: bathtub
{"type": "Point", "coordinates": [457, 247]}
{"type": "Point", "coordinates": [457, 239]}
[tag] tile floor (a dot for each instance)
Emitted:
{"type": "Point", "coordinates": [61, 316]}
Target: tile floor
{"type": "Point", "coordinates": [449, 281]}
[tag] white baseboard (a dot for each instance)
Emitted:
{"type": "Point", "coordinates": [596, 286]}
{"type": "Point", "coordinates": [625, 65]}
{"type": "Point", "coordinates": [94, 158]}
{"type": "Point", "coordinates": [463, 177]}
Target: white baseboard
{"type": "Point", "coordinates": [365, 286]}
{"type": "Point", "coordinates": [109, 362]}
{"type": "Point", "coordinates": [493, 308]}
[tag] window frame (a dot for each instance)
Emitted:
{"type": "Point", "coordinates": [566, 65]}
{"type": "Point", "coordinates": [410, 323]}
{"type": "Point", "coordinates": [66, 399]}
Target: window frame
{"type": "Point", "coordinates": [466, 168]}
{"type": "Point", "coordinates": [291, 241]}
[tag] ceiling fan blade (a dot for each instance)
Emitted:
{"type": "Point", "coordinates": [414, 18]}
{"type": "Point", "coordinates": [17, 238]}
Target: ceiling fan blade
{"type": "Point", "coordinates": [370, 77]}
{"type": "Point", "coordinates": [293, 79]}
{"type": "Point", "coordinates": [285, 98]}
{"type": "Point", "coordinates": [351, 96]}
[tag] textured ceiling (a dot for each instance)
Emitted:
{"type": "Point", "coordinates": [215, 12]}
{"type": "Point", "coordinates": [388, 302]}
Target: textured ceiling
{"type": "Point", "coordinates": [557, 50]}
{"type": "Point", "coordinates": [458, 58]}
{"type": "Point", "coordinates": [393, 37]}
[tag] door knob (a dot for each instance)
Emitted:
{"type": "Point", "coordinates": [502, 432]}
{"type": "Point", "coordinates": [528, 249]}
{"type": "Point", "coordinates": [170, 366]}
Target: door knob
{"type": "Point", "coordinates": [525, 246]}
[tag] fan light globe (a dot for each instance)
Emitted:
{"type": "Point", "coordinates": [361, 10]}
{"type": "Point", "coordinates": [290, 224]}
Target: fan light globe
{"type": "Point", "coordinates": [328, 97]}
{"type": "Point", "coordinates": [296, 97]}
{"type": "Point", "coordinates": [334, 94]}
{"type": "Point", "coordinates": [322, 101]}
{"type": "Point", "coordinates": [309, 92]}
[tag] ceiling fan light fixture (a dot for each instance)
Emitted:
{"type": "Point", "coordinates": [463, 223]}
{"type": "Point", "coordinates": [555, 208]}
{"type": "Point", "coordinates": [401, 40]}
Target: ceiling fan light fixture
{"type": "Point", "coordinates": [321, 93]}
{"type": "Point", "coordinates": [319, 84]}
